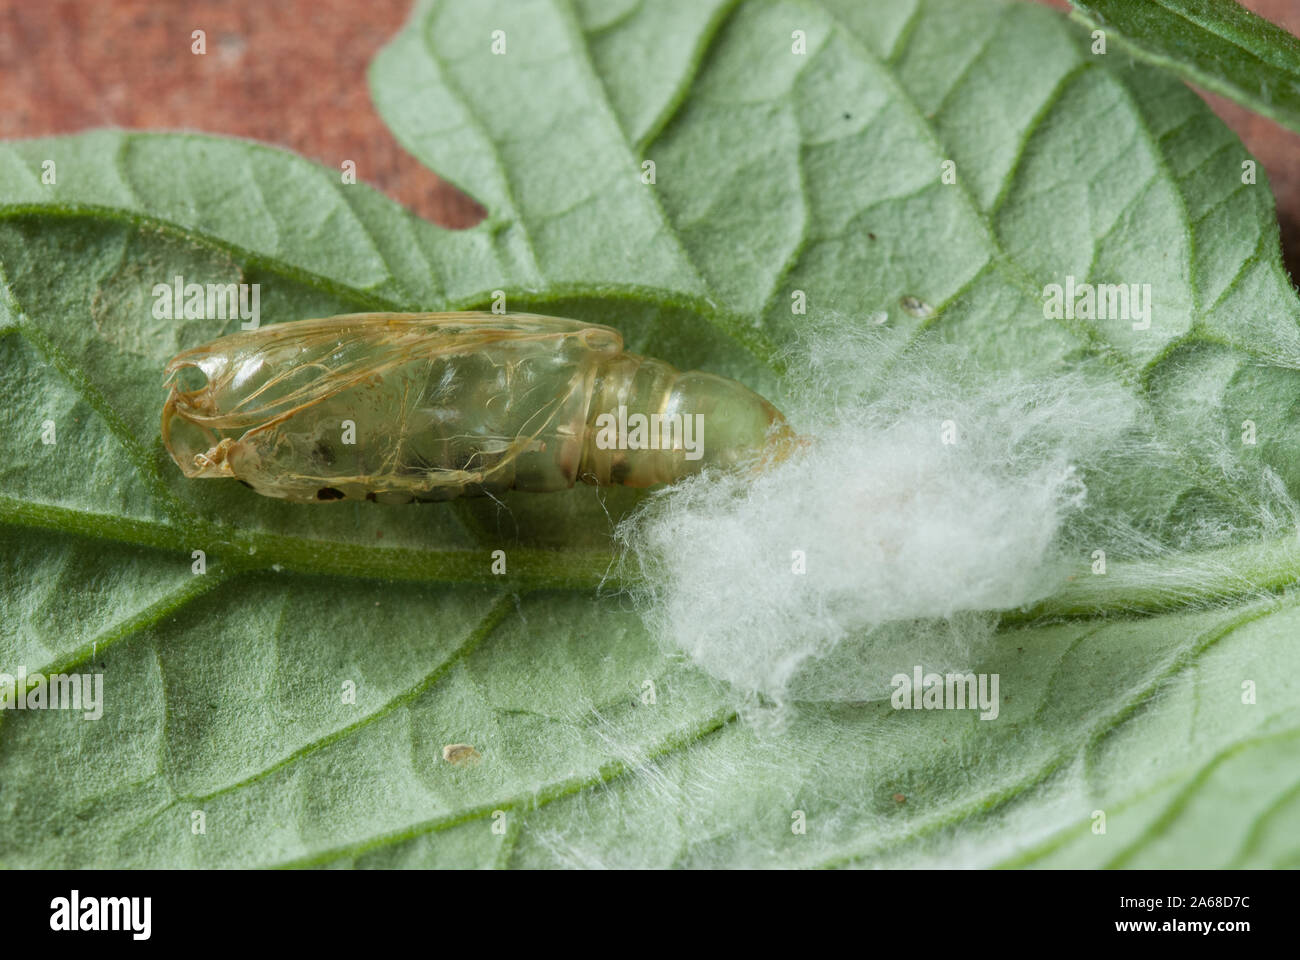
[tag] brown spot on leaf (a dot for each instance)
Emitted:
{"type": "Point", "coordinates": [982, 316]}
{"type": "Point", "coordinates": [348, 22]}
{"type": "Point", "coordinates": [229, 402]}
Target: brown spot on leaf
{"type": "Point", "coordinates": [460, 754]}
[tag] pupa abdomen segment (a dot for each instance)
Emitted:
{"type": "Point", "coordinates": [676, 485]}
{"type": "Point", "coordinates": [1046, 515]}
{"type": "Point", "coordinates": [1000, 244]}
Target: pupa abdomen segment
{"type": "Point", "coordinates": [399, 407]}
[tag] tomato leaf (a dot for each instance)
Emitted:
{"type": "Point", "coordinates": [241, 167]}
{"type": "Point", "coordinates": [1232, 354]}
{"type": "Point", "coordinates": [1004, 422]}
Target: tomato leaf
{"type": "Point", "coordinates": [1217, 44]}
{"type": "Point", "coordinates": [291, 703]}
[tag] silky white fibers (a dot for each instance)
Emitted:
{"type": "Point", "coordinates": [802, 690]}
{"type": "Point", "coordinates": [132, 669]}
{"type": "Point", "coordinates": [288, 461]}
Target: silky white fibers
{"type": "Point", "coordinates": [927, 498]}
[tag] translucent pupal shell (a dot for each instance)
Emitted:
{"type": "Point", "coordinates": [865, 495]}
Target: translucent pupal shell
{"type": "Point", "coordinates": [397, 407]}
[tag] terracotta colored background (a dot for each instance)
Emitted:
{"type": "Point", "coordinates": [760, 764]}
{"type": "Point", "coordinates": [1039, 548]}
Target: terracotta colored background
{"type": "Point", "coordinates": [293, 72]}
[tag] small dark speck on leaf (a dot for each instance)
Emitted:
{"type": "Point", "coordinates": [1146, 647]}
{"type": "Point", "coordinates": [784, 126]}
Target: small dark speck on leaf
{"type": "Point", "coordinates": [871, 236]}
{"type": "Point", "coordinates": [899, 798]}
{"type": "Point", "coordinates": [329, 493]}
{"type": "Point", "coordinates": [916, 307]}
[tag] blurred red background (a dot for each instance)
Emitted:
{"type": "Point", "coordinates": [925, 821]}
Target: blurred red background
{"type": "Point", "coordinates": [293, 72]}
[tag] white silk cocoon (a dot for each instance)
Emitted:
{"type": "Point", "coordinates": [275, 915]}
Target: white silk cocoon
{"type": "Point", "coordinates": [927, 499]}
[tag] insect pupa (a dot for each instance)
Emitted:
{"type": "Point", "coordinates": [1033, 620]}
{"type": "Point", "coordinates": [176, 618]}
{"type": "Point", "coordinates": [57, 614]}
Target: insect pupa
{"type": "Point", "coordinates": [395, 407]}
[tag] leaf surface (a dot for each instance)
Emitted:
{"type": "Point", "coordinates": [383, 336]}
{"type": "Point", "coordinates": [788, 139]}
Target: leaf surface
{"type": "Point", "coordinates": [775, 171]}
{"type": "Point", "coordinates": [1217, 44]}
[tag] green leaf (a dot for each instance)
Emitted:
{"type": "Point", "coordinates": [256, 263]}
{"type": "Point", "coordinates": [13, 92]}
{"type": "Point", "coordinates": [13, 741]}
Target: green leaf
{"type": "Point", "coordinates": [1217, 44]}
{"type": "Point", "coordinates": [774, 172]}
